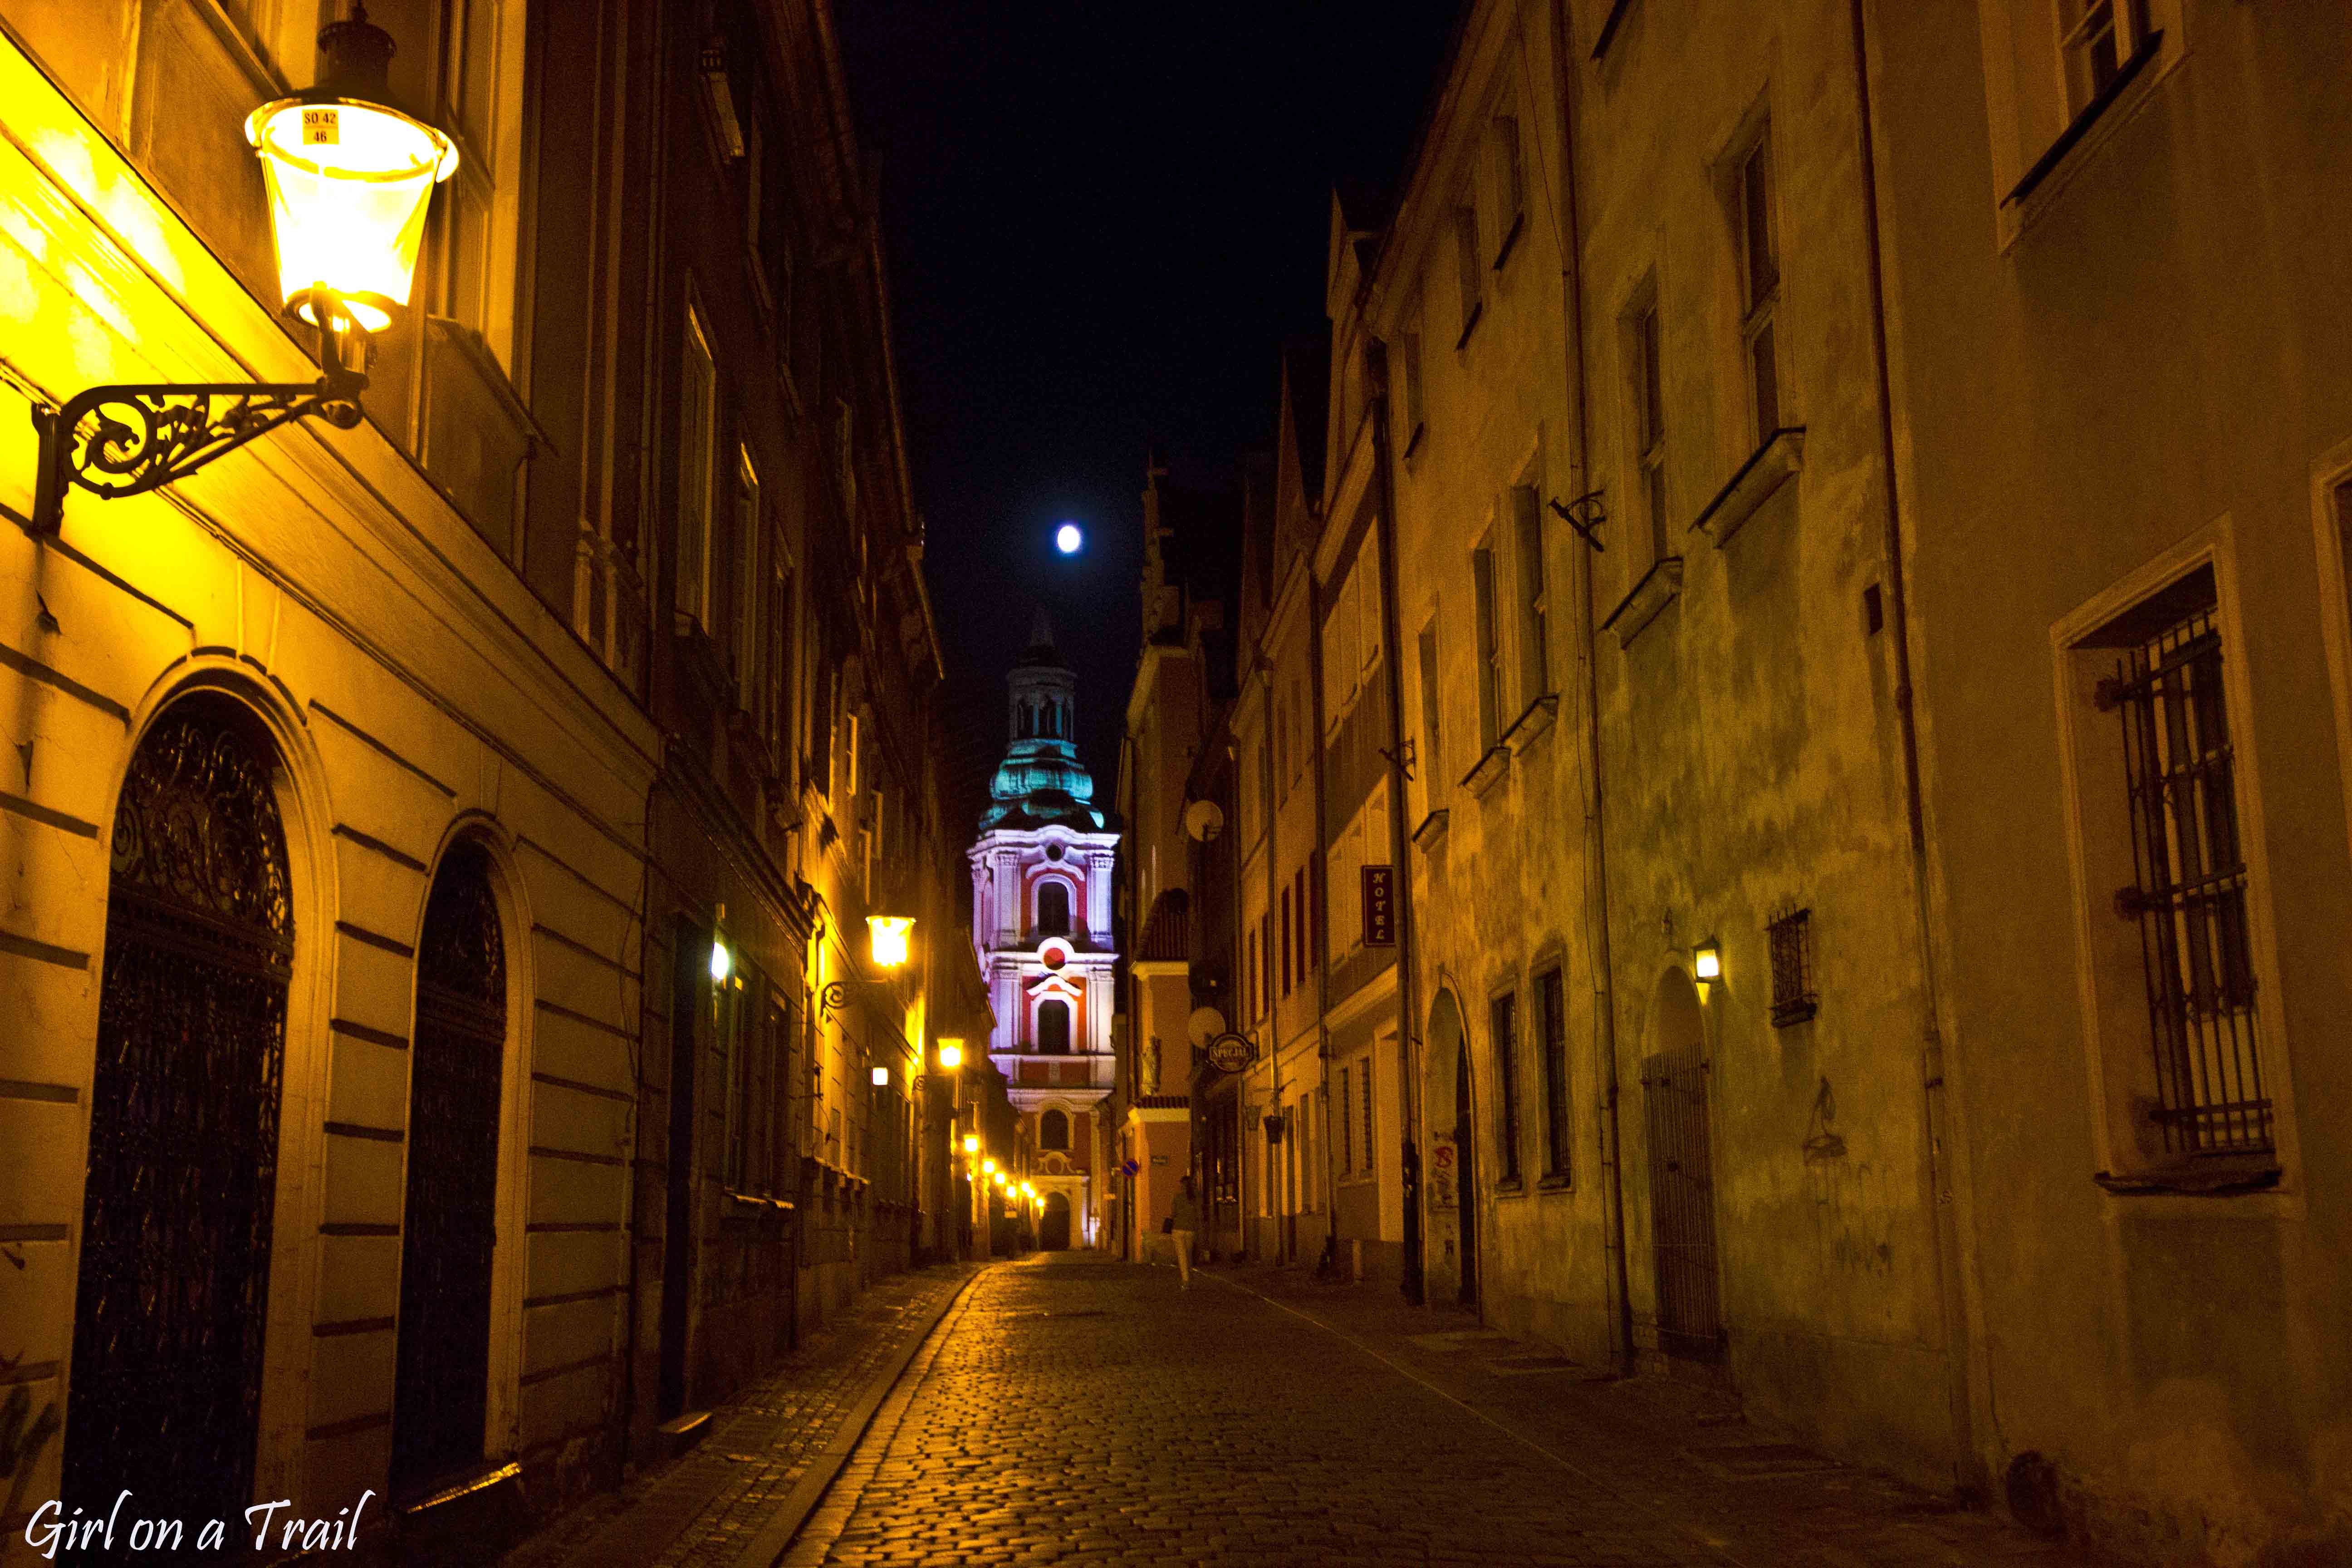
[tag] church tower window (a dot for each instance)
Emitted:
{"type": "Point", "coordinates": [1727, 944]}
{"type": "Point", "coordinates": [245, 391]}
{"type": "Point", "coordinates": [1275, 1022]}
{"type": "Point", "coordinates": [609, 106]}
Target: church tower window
{"type": "Point", "coordinates": [1054, 1028]}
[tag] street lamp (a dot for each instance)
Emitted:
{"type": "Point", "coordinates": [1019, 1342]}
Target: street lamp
{"type": "Point", "coordinates": [887, 939]}
{"type": "Point", "coordinates": [951, 1055]}
{"type": "Point", "coordinates": [971, 1142]}
{"type": "Point", "coordinates": [348, 181]}
{"type": "Point", "coordinates": [881, 1078]}
{"type": "Point", "coordinates": [1707, 960]}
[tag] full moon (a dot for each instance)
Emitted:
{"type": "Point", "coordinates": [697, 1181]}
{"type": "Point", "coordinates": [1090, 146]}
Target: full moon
{"type": "Point", "coordinates": [1066, 539]}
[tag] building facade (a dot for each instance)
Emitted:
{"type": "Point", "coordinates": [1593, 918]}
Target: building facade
{"type": "Point", "coordinates": [1041, 879]}
{"type": "Point", "coordinates": [2123, 427]}
{"type": "Point", "coordinates": [435, 839]}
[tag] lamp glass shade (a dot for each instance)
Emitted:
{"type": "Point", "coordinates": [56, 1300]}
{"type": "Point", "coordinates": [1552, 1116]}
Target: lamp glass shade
{"type": "Point", "coordinates": [888, 936]}
{"type": "Point", "coordinates": [881, 1078]}
{"type": "Point", "coordinates": [720, 962]}
{"type": "Point", "coordinates": [971, 1144]}
{"type": "Point", "coordinates": [951, 1055]}
{"type": "Point", "coordinates": [1707, 960]}
{"type": "Point", "coordinates": [349, 182]}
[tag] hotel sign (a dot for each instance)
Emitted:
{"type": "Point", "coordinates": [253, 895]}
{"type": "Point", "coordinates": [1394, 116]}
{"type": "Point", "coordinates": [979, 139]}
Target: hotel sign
{"type": "Point", "coordinates": [1379, 906]}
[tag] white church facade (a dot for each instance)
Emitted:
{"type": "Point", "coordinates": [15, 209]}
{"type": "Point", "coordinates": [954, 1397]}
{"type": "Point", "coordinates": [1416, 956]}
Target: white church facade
{"type": "Point", "coordinates": [1041, 889]}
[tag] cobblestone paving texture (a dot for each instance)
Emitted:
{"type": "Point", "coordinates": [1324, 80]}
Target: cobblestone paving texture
{"type": "Point", "coordinates": [1077, 1410]}
{"type": "Point", "coordinates": [699, 1508]}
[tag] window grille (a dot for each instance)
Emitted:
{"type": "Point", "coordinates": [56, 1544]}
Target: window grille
{"type": "Point", "coordinates": [2188, 892]}
{"type": "Point", "coordinates": [1793, 997]}
{"type": "Point", "coordinates": [1364, 1096]}
{"type": "Point", "coordinates": [1502, 1015]}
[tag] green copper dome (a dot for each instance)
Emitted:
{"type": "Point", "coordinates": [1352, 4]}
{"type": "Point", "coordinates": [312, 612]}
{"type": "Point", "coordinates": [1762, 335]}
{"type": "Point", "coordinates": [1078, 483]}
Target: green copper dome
{"type": "Point", "coordinates": [1041, 779]}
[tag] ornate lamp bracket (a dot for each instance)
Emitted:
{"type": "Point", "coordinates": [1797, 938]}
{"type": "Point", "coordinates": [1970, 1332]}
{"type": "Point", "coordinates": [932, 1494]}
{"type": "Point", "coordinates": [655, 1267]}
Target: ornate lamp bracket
{"type": "Point", "coordinates": [126, 441]}
{"type": "Point", "coordinates": [835, 995]}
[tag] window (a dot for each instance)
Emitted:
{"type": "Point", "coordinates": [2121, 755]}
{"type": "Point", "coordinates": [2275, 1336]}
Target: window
{"type": "Point", "coordinates": [1502, 1020]}
{"type": "Point", "coordinates": [1408, 356]}
{"type": "Point", "coordinates": [1054, 1027]}
{"type": "Point", "coordinates": [782, 673]}
{"type": "Point", "coordinates": [1298, 904]}
{"type": "Point", "coordinates": [1759, 283]}
{"type": "Point", "coordinates": [1347, 1121]}
{"type": "Point", "coordinates": [1552, 1017]}
{"type": "Point", "coordinates": [1052, 1130]}
{"type": "Point", "coordinates": [1249, 977]}
{"type": "Point", "coordinates": [475, 248]}
{"type": "Point", "coordinates": [1430, 764]}
{"type": "Point", "coordinates": [735, 1038]}
{"type": "Point", "coordinates": [1649, 427]}
{"type": "Point", "coordinates": [1793, 999]}
{"type": "Point", "coordinates": [1490, 654]}
{"type": "Point", "coordinates": [751, 576]}
{"type": "Point", "coordinates": [1465, 247]}
{"type": "Point", "coordinates": [2097, 37]}
{"type": "Point", "coordinates": [1526, 516]}
{"type": "Point", "coordinates": [697, 421]}
{"type": "Point", "coordinates": [1053, 909]}
{"type": "Point", "coordinates": [2187, 891]}
{"type": "Point", "coordinates": [1364, 1105]}
{"type": "Point", "coordinates": [1510, 185]}
{"type": "Point", "coordinates": [1286, 940]}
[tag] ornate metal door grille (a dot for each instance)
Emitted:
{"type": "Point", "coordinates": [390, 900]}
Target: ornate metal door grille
{"type": "Point", "coordinates": [442, 1380]}
{"type": "Point", "coordinates": [174, 1271]}
{"type": "Point", "coordinates": [2189, 896]}
{"type": "Point", "coordinates": [1682, 1206]}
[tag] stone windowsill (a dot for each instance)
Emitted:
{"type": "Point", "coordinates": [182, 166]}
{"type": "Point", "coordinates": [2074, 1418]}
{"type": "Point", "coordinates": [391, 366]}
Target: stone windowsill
{"type": "Point", "coordinates": [1554, 1185]}
{"type": "Point", "coordinates": [1432, 830]}
{"type": "Point", "coordinates": [1510, 1187]}
{"type": "Point", "coordinates": [1533, 722]}
{"type": "Point", "coordinates": [1659, 587]}
{"type": "Point", "coordinates": [1489, 768]}
{"type": "Point", "coordinates": [2222, 1179]}
{"type": "Point", "coordinates": [1759, 479]}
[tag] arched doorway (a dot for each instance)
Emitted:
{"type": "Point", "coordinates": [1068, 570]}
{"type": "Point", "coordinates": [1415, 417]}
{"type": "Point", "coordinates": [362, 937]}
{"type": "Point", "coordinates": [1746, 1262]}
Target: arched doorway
{"type": "Point", "coordinates": [174, 1277]}
{"type": "Point", "coordinates": [1453, 1187]}
{"type": "Point", "coordinates": [457, 1057]}
{"type": "Point", "coordinates": [1682, 1174]}
{"type": "Point", "coordinates": [1054, 1235]}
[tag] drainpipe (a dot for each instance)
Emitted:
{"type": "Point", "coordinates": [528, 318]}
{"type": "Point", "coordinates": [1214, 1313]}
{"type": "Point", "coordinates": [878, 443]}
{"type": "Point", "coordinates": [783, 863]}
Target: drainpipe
{"type": "Point", "coordinates": [1949, 1263]}
{"type": "Point", "coordinates": [1376, 365]}
{"type": "Point", "coordinates": [1273, 896]}
{"type": "Point", "coordinates": [1596, 844]}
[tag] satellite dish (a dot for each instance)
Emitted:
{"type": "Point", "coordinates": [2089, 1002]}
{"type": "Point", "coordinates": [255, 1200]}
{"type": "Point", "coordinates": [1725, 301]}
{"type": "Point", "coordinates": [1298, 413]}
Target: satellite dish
{"type": "Point", "coordinates": [1204, 821]}
{"type": "Point", "coordinates": [1204, 1023]}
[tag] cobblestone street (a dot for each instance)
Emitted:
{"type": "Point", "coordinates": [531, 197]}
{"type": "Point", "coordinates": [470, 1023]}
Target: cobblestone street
{"type": "Point", "coordinates": [1075, 1410]}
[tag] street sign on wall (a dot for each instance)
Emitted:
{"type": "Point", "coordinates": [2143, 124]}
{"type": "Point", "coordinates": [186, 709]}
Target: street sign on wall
{"type": "Point", "coordinates": [1379, 906]}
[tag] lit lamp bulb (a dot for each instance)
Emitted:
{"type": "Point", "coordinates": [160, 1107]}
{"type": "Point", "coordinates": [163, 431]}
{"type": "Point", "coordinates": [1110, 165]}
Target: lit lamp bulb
{"type": "Point", "coordinates": [971, 1142]}
{"type": "Point", "coordinates": [348, 181]}
{"type": "Point", "coordinates": [1707, 960]}
{"type": "Point", "coordinates": [881, 1078]}
{"type": "Point", "coordinates": [720, 962]}
{"type": "Point", "coordinates": [887, 939]}
{"type": "Point", "coordinates": [951, 1055]}
{"type": "Point", "coordinates": [987, 1167]}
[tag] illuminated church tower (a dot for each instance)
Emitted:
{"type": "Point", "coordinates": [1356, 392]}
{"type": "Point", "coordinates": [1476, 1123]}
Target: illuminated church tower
{"type": "Point", "coordinates": [1041, 920]}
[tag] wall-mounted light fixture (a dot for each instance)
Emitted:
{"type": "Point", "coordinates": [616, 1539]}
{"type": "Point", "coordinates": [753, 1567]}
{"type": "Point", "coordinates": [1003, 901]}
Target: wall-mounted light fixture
{"type": "Point", "coordinates": [951, 1055]}
{"type": "Point", "coordinates": [887, 939]}
{"type": "Point", "coordinates": [971, 1142]}
{"type": "Point", "coordinates": [348, 181]}
{"type": "Point", "coordinates": [881, 1078]}
{"type": "Point", "coordinates": [1707, 960]}
{"type": "Point", "coordinates": [720, 962]}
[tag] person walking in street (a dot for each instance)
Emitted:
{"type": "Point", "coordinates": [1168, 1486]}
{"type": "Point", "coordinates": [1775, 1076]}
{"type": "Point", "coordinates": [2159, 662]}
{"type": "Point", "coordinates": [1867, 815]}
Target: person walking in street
{"type": "Point", "coordinates": [1184, 1221]}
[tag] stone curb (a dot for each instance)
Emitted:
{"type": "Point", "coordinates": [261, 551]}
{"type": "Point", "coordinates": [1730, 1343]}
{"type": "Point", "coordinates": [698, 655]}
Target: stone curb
{"type": "Point", "coordinates": [775, 1538]}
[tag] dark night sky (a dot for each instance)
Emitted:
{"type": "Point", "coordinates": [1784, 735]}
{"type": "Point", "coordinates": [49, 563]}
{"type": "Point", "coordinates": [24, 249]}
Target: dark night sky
{"type": "Point", "coordinates": [1102, 221]}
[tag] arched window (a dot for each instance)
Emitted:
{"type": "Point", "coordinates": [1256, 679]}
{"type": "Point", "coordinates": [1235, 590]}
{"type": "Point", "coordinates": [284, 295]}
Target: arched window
{"type": "Point", "coordinates": [1054, 1028]}
{"type": "Point", "coordinates": [1052, 1130]}
{"type": "Point", "coordinates": [1053, 910]}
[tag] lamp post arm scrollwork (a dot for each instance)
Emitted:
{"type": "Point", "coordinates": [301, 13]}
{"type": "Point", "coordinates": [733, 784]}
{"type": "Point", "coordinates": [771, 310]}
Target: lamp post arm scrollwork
{"type": "Point", "coordinates": [126, 441]}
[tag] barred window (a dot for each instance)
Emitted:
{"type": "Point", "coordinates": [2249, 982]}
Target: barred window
{"type": "Point", "coordinates": [1346, 1122]}
{"type": "Point", "coordinates": [1793, 999]}
{"type": "Point", "coordinates": [2187, 892]}
{"type": "Point", "coordinates": [1364, 1099]}
{"type": "Point", "coordinates": [1502, 1015]}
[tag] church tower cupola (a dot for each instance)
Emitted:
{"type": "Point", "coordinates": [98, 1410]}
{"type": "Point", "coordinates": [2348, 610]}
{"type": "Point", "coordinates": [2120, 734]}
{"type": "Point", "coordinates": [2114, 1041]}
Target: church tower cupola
{"type": "Point", "coordinates": [1041, 779]}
